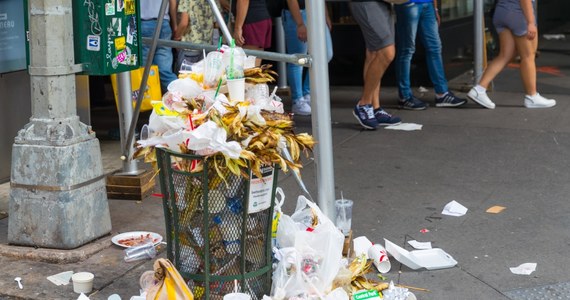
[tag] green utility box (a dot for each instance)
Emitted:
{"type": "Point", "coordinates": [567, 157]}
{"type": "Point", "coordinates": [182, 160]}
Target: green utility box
{"type": "Point", "coordinates": [107, 35]}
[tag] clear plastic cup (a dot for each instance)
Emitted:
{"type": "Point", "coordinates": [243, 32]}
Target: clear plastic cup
{"type": "Point", "coordinates": [343, 215]}
{"type": "Point", "coordinates": [143, 251]}
{"type": "Point", "coordinates": [213, 69]}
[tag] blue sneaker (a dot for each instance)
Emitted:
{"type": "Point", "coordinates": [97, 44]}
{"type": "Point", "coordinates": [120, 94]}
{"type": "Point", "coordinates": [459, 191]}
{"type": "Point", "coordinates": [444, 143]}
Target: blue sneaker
{"type": "Point", "coordinates": [449, 100]}
{"type": "Point", "coordinates": [365, 116]}
{"type": "Point", "coordinates": [412, 103]}
{"type": "Point", "coordinates": [384, 118]}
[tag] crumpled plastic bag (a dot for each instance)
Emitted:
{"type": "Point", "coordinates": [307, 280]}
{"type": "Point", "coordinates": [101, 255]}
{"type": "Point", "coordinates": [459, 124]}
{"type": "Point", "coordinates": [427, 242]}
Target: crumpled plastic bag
{"type": "Point", "coordinates": [185, 87]}
{"type": "Point", "coordinates": [311, 268]}
{"type": "Point", "coordinates": [170, 284]}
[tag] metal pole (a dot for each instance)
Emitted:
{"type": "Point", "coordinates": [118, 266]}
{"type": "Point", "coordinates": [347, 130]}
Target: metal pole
{"type": "Point", "coordinates": [152, 50]}
{"type": "Point", "coordinates": [130, 166]}
{"type": "Point", "coordinates": [280, 45]}
{"type": "Point", "coordinates": [478, 44]}
{"type": "Point", "coordinates": [320, 106]}
{"type": "Point", "coordinates": [298, 59]}
{"type": "Point", "coordinates": [221, 21]}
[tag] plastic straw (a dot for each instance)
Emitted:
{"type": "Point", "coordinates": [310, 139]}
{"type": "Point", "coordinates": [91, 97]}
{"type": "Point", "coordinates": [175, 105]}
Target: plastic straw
{"type": "Point", "coordinates": [220, 43]}
{"type": "Point", "coordinates": [231, 70]}
{"type": "Point", "coordinates": [218, 88]}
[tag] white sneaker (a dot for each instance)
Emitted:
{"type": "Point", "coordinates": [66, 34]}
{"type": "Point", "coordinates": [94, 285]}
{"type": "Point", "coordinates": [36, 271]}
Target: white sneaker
{"type": "Point", "coordinates": [537, 101]}
{"type": "Point", "coordinates": [301, 108]}
{"type": "Point", "coordinates": [480, 98]}
{"type": "Point", "coordinates": [307, 99]}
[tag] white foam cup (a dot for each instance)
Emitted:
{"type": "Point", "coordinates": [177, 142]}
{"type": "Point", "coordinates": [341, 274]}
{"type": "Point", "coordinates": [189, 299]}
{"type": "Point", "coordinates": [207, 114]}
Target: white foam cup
{"type": "Point", "coordinates": [236, 89]}
{"type": "Point", "coordinates": [379, 257]}
{"type": "Point", "coordinates": [237, 296]}
{"type": "Point", "coordinates": [82, 282]}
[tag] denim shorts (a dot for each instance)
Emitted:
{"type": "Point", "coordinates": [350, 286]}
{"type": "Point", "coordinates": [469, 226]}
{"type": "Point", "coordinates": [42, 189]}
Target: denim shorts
{"type": "Point", "coordinates": [375, 21]}
{"type": "Point", "coordinates": [514, 20]}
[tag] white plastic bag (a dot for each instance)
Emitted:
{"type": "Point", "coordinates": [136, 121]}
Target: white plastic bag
{"type": "Point", "coordinates": [317, 246]}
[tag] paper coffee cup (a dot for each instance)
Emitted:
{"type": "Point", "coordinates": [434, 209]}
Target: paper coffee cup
{"type": "Point", "coordinates": [379, 257]}
{"type": "Point", "coordinates": [236, 88]}
{"type": "Point", "coordinates": [82, 282]}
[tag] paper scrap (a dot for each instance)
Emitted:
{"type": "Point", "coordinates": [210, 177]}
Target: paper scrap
{"type": "Point", "coordinates": [524, 269]}
{"type": "Point", "coordinates": [554, 36]}
{"type": "Point", "coordinates": [420, 245]}
{"type": "Point", "coordinates": [455, 209]}
{"type": "Point", "coordinates": [61, 278]}
{"type": "Point", "coordinates": [405, 127]}
{"type": "Point", "coordinates": [422, 89]}
{"type": "Point", "coordinates": [495, 209]}
{"type": "Point", "coordinates": [83, 297]}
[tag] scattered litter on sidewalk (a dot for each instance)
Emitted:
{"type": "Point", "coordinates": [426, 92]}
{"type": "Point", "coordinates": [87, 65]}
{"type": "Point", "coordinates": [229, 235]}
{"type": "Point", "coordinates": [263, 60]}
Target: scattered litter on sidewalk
{"type": "Point", "coordinates": [62, 278]}
{"type": "Point", "coordinates": [114, 297]}
{"type": "Point", "coordinates": [422, 89]}
{"type": "Point", "coordinates": [524, 269]}
{"type": "Point", "coordinates": [19, 281]}
{"type": "Point", "coordinates": [424, 230]}
{"type": "Point", "coordinates": [82, 297]}
{"type": "Point", "coordinates": [455, 209]}
{"type": "Point", "coordinates": [405, 127]}
{"type": "Point", "coordinates": [495, 209]}
{"type": "Point", "coordinates": [554, 36]}
{"type": "Point", "coordinates": [420, 245]}
{"type": "Point", "coordinates": [431, 259]}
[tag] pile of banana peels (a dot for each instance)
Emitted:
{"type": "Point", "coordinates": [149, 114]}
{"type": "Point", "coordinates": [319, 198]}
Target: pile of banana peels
{"type": "Point", "coordinates": [262, 134]}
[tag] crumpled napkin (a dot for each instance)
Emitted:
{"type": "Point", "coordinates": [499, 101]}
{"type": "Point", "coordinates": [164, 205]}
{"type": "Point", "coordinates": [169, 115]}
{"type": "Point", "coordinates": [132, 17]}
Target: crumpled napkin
{"type": "Point", "coordinates": [524, 269]}
{"type": "Point", "coordinates": [208, 138]}
{"type": "Point", "coordinates": [405, 126]}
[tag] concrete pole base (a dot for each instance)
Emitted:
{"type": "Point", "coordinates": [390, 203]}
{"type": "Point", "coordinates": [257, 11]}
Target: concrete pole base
{"type": "Point", "coordinates": [58, 197]}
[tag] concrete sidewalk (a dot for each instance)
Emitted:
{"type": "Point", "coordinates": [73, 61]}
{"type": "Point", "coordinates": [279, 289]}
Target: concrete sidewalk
{"type": "Point", "coordinates": [400, 181]}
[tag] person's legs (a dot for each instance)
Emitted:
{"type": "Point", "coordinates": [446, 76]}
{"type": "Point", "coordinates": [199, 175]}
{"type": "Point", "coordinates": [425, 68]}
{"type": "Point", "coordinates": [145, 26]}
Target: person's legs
{"type": "Point", "coordinates": [293, 45]}
{"type": "Point", "coordinates": [527, 51]}
{"type": "Point", "coordinates": [163, 58]}
{"type": "Point", "coordinates": [407, 18]}
{"type": "Point", "coordinates": [506, 54]}
{"type": "Point", "coordinates": [375, 65]}
{"type": "Point", "coordinates": [428, 32]}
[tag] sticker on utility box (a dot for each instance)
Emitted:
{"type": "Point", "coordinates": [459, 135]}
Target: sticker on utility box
{"type": "Point", "coordinates": [260, 190]}
{"type": "Point", "coordinates": [93, 43]}
{"type": "Point", "coordinates": [129, 7]}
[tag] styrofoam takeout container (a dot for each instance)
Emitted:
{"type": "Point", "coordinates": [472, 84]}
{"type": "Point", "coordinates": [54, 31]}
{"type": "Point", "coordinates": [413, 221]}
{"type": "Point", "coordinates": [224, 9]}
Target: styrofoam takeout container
{"type": "Point", "coordinates": [431, 259]}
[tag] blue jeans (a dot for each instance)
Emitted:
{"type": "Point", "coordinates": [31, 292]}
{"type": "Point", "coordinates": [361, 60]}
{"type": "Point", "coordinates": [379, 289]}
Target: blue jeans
{"type": "Point", "coordinates": [299, 86]}
{"type": "Point", "coordinates": [163, 55]}
{"type": "Point", "coordinates": [418, 19]}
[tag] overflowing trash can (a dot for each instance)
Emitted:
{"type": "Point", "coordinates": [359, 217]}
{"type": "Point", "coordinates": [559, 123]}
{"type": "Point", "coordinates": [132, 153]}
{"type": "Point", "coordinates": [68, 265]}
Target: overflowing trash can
{"type": "Point", "coordinates": [218, 224]}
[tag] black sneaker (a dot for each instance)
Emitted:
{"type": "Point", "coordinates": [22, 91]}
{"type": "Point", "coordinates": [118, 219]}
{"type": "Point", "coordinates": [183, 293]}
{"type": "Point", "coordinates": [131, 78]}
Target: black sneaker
{"type": "Point", "coordinates": [412, 103]}
{"type": "Point", "coordinates": [449, 100]}
{"type": "Point", "coordinates": [384, 118]}
{"type": "Point", "coordinates": [365, 116]}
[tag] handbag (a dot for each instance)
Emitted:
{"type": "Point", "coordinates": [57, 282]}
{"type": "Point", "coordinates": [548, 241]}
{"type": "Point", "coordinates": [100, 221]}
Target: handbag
{"type": "Point", "coordinates": [170, 285]}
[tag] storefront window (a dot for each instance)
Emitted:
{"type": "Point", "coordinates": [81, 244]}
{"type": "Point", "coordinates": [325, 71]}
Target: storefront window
{"type": "Point", "coordinates": [12, 36]}
{"type": "Point", "coordinates": [456, 9]}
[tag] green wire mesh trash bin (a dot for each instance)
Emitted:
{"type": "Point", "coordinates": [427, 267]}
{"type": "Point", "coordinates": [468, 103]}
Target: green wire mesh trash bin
{"type": "Point", "coordinates": [218, 230]}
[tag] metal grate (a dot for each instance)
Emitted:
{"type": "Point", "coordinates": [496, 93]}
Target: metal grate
{"type": "Point", "coordinates": [550, 292]}
{"type": "Point", "coordinates": [212, 240]}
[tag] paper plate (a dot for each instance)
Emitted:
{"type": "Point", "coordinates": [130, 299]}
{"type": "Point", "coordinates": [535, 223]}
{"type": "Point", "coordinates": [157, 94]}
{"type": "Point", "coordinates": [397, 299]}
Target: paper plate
{"type": "Point", "coordinates": [129, 239]}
